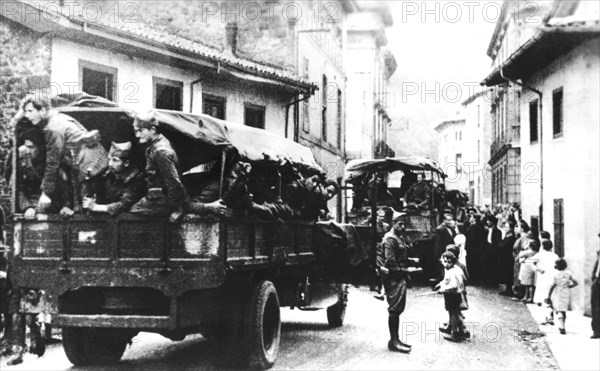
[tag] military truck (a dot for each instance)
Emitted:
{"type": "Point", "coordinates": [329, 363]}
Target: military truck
{"type": "Point", "coordinates": [107, 278]}
{"type": "Point", "coordinates": [373, 184]}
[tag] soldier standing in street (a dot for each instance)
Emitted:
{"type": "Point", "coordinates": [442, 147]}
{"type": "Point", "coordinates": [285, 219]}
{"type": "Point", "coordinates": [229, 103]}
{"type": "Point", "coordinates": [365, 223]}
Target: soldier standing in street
{"type": "Point", "coordinates": [395, 277]}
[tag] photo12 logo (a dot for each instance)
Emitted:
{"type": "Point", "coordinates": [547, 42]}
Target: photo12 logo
{"type": "Point", "coordinates": [269, 11]}
{"type": "Point", "coordinates": [87, 11]}
{"type": "Point", "coordinates": [469, 11]}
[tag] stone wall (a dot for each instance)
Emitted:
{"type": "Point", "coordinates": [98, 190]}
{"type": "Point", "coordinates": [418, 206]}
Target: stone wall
{"type": "Point", "coordinates": [263, 35]}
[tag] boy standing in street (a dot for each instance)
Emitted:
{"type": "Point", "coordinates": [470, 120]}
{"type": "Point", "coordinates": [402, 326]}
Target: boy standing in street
{"type": "Point", "coordinates": [452, 287]}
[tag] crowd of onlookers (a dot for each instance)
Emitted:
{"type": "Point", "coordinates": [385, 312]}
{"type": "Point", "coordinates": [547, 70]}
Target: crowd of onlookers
{"type": "Point", "coordinates": [500, 249]}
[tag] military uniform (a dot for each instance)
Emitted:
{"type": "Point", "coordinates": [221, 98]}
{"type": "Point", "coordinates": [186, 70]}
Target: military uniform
{"type": "Point", "coordinates": [119, 192]}
{"type": "Point", "coordinates": [418, 193]}
{"type": "Point", "coordinates": [162, 176]}
{"type": "Point", "coordinates": [71, 150]}
{"type": "Point", "coordinates": [206, 192]}
{"type": "Point", "coordinates": [395, 251]}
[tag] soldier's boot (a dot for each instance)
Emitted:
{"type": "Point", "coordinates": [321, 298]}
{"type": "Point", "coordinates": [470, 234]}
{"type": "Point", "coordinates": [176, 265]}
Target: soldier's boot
{"type": "Point", "coordinates": [38, 346]}
{"type": "Point", "coordinates": [16, 356]}
{"type": "Point", "coordinates": [5, 348]}
{"type": "Point", "coordinates": [395, 345]}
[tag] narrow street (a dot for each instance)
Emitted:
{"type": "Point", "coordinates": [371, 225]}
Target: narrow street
{"type": "Point", "coordinates": [503, 336]}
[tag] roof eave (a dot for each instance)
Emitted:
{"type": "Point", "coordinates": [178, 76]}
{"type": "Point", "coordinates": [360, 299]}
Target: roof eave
{"type": "Point", "coordinates": [57, 24]}
{"type": "Point", "coordinates": [520, 64]}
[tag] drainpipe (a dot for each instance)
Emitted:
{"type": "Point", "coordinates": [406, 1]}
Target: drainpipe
{"type": "Point", "coordinates": [192, 93]}
{"type": "Point", "coordinates": [287, 114]}
{"type": "Point", "coordinates": [539, 94]}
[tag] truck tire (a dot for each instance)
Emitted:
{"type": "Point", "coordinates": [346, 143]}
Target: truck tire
{"type": "Point", "coordinates": [262, 326]}
{"type": "Point", "coordinates": [73, 339]}
{"type": "Point", "coordinates": [104, 345]}
{"type": "Point", "coordinates": [337, 312]}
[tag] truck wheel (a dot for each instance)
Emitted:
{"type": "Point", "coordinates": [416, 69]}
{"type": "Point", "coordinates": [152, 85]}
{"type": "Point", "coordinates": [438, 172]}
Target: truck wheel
{"type": "Point", "coordinates": [104, 346]}
{"type": "Point", "coordinates": [337, 312]}
{"type": "Point", "coordinates": [73, 339]}
{"type": "Point", "coordinates": [262, 326]}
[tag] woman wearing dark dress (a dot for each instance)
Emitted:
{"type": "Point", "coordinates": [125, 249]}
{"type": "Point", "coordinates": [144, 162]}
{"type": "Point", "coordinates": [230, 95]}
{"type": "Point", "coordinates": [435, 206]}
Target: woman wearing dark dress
{"type": "Point", "coordinates": [505, 258]}
{"type": "Point", "coordinates": [474, 246]}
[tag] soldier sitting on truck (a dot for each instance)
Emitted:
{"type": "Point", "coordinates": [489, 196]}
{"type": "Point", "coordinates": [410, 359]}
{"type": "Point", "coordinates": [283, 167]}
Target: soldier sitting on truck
{"type": "Point", "coordinates": [329, 188]}
{"type": "Point", "coordinates": [206, 198]}
{"type": "Point", "coordinates": [30, 166]}
{"type": "Point", "coordinates": [267, 203]}
{"type": "Point", "coordinates": [419, 194]}
{"type": "Point", "coordinates": [305, 196]}
{"type": "Point", "coordinates": [165, 191]}
{"type": "Point", "coordinates": [120, 187]}
{"type": "Point", "coordinates": [70, 151]}
{"type": "Point", "coordinates": [203, 184]}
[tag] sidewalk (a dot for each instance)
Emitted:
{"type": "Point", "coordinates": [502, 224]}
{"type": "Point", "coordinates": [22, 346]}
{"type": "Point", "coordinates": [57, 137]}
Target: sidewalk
{"type": "Point", "coordinates": [574, 350]}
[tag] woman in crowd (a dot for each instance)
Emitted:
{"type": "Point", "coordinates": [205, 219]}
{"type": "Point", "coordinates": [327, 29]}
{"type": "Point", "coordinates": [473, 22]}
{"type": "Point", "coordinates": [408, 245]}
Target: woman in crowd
{"type": "Point", "coordinates": [506, 259]}
{"type": "Point", "coordinates": [474, 247]}
{"type": "Point", "coordinates": [527, 270]}
{"type": "Point", "coordinates": [522, 234]}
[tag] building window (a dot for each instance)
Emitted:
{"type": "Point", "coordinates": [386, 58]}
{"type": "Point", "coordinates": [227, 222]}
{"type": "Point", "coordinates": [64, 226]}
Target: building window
{"type": "Point", "coordinates": [306, 103]}
{"type": "Point", "coordinates": [254, 115]}
{"type": "Point", "coordinates": [534, 225]}
{"type": "Point", "coordinates": [168, 94]}
{"type": "Point", "coordinates": [214, 106]}
{"type": "Point", "coordinates": [533, 121]}
{"type": "Point", "coordinates": [306, 115]}
{"type": "Point", "coordinates": [324, 110]}
{"type": "Point", "coordinates": [478, 115]}
{"type": "Point", "coordinates": [478, 151]}
{"type": "Point", "coordinates": [97, 79]}
{"type": "Point", "coordinates": [559, 227]}
{"type": "Point", "coordinates": [557, 112]}
{"type": "Point", "coordinates": [458, 162]}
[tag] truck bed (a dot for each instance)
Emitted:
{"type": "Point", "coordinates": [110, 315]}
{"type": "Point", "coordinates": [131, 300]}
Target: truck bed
{"type": "Point", "coordinates": [129, 251]}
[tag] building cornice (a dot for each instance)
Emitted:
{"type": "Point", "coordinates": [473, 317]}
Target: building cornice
{"type": "Point", "coordinates": [540, 50]}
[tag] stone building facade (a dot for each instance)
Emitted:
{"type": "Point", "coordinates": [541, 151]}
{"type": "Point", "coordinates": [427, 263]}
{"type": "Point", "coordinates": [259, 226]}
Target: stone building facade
{"type": "Point", "coordinates": [478, 134]}
{"type": "Point", "coordinates": [369, 68]}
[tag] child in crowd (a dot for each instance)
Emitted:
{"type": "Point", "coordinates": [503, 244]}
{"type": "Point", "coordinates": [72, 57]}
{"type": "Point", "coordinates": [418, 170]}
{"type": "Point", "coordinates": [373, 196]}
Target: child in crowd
{"type": "Point", "coordinates": [454, 249]}
{"type": "Point", "coordinates": [545, 261]}
{"type": "Point", "coordinates": [560, 292]}
{"type": "Point", "coordinates": [452, 287]}
{"type": "Point", "coordinates": [464, 304]}
{"type": "Point", "coordinates": [527, 271]}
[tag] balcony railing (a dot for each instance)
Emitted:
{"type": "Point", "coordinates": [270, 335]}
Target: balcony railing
{"type": "Point", "coordinates": [512, 138]}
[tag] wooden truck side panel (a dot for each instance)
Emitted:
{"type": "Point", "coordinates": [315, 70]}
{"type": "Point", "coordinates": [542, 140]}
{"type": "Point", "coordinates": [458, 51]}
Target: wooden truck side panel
{"type": "Point", "coordinates": [129, 262]}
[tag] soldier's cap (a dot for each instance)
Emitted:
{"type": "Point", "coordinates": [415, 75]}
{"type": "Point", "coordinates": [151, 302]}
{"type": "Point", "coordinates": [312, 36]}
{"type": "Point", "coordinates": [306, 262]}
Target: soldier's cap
{"type": "Point", "coordinates": [145, 120]}
{"type": "Point", "coordinates": [399, 217]}
{"type": "Point", "coordinates": [121, 150]}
